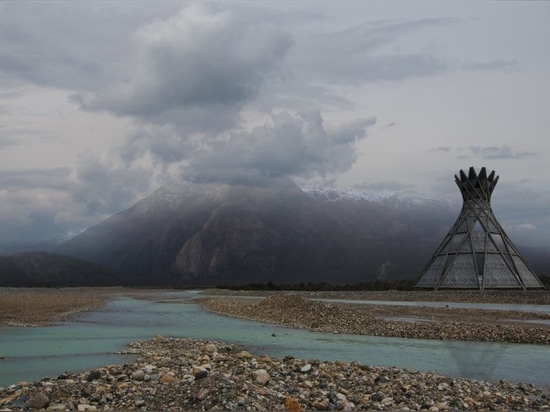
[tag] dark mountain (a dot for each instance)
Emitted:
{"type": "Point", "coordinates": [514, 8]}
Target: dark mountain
{"type": "Point", "coordinates": [262, 229]}
{"type": "Point", "coordinates": [48, 269]}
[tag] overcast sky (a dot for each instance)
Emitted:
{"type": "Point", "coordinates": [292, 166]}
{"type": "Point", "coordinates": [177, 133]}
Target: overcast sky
{"type": "Point", "coordinates": [102, 102]}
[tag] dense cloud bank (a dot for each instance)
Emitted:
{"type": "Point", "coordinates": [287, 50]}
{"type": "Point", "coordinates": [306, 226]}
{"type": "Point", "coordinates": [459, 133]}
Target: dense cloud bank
{"type": "Point", "coordinates": [208, 91]}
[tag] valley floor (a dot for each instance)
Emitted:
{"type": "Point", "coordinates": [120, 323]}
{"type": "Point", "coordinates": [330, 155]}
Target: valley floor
{"type": "Point", "coordinates": [189, 374]}
{"type": "Point", "coordinates": [419, 322]}
{"type": "Point", "coordinates": [43, 306]}
{"type": "Point", "coordinates": [40, 306]}
{"type": "Point", "coordinates": [175, 374]}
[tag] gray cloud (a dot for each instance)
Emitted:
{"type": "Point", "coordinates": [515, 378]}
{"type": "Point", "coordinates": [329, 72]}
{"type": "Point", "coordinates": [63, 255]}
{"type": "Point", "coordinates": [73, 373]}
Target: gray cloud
{"type": "Point", "coordinates": [7, 141]}
{"type": "Point", "coordinates": [522, 208]}
{"type": "Point", "coordinates": [486, 152]}
{"type": "Point", "coordinates": [388, 125]}
{"type": "Point", "coordinates": [11, 94]}
{"type": "Point", "coordinates": [356, 56]}
{"type": "Point", "coordinates": [187, 77]}
{"type": "Point", "coordinates": [498, 152]}
{"type": "Point", "coordinates": [440, 149]}
{"type": "Point", "coordinates": [196, 68]}
{"type": "Point", "coordinates": [104, 186]}
{"type": "Point", "coordinates": [18, 134]}
{"type": "Point", "coordinates": [497, 65]}
{"type": "Point", "coordinates": [366, 54]}
{"type": "Point", "coordinates": [72, 45]}
{"type": "Point", "coordinates": [55, 178]}
{"type": "Point", "coordinates": [31, 200]}
{"type": "Point", "coordinates": [390, 186]}
{"type": "Point", "coordinates": [40, 203]}
{"type": "Point", "coordinates": [166, 145]}
{"type": "Point", "coordinates": [295, 145]}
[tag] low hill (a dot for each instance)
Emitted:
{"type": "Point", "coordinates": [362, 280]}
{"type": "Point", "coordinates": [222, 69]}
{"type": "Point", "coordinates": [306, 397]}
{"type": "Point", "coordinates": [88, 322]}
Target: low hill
{"type": "Point", "coordinates": [48, 269]}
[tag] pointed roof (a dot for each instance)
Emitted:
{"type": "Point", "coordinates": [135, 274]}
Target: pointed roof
{"type": "Point", "coordinates": [477, 253]}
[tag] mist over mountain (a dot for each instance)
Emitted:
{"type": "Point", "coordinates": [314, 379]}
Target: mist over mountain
{"type": "Point", "coordinates": [260, 229]}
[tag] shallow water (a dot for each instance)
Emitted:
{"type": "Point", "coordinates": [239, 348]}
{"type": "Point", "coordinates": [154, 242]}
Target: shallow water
{"type": "Point", "coordinates": [32, 353]}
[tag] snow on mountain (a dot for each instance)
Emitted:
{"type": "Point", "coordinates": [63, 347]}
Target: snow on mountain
{"type": "Point", "coordinates": [356, 194]}
{"type": "Point", "coordinates": [173, 194]}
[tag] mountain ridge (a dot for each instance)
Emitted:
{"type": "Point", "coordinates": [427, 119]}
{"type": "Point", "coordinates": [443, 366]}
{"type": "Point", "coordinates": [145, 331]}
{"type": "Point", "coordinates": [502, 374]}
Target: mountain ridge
{"type": "Point", "coordinates": [260, 229]}
{"type": "Point", "coordinates": [254, 230]}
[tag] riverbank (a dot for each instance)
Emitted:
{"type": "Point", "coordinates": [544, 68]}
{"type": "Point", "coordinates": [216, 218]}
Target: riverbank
{"type": "Point", "coordinates": [42, 306]}
{"type": "Point", "coordinates": [298, 311]}
{"type": "Point", "coordinates": [520, 297]}
{"type": "Point", "coordinates": [189, 374]}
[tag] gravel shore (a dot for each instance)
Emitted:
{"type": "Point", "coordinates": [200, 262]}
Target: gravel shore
{"type": "Point", "coordinates": [295, 310]}
{"type": "Point", "coordinates": [189, 374]}
{"type": "Point", "coordinates": [41, 306]}
{"type": "Point", "coordinates": [528, 297]}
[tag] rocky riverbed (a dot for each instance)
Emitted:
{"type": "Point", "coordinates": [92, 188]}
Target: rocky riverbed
{"type": "Point", "coordinates": [189, 374]}
{"type": "Point", "coordinates": [295, 310]}
{"type": "Point", "coordinates": [527, 297]}
{"type": "Point", "coordinates": [41, 306]}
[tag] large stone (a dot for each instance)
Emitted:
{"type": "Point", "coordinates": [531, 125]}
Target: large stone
{"type": "Point", "coordinates": [262, 377]}
{"type": "Point", "coordinates": [138, 375]}
{"type": "Point", "coordinates": [210, 348]}
{"type": "Point", "coordinates": [198, 369]}
{"type": "Point", "coordinates": [8, 399]}
{"type": "Point", "coordinates": [37, 401]}
{"type": "Point", "coordinates": [57, 407]}
{"type": "Point", "coordinates": [167, 378]}
{"type": "Point", "coordinates": [201, 375]}
{"type": "Point", "coordinates": [306, 368]}
{"type": "Point", "coordinates": [86, 408]}
{"type": "Point", "coordinates": [244, 355]}
{"type": "Point", "coordinates": [321, 405]}
{"type": "Point", "coordinates": [93, 375]}
{"type": "Point", "coordinates": [292, 404]}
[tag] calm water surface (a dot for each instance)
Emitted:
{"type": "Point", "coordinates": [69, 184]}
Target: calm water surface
{"type": "Point", "coordinates": [33, 353]}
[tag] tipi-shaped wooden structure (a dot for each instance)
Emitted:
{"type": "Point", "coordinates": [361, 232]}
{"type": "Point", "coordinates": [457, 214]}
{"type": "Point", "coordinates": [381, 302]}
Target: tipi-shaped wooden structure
{"type": "Point", "coordinates": [477, 253]}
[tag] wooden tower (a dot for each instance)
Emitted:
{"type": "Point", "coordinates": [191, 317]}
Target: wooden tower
{"type": "Point", "coordinates": [477, 253]}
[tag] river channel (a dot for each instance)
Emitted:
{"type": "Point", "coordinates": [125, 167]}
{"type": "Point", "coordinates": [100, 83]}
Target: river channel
{"type": "Point", "coordinates": [93, 339]}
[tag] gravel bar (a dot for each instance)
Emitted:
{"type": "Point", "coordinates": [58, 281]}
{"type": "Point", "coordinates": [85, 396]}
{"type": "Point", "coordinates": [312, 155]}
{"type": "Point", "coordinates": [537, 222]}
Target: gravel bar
{"type": "Point", "coordinates": [187, 374]}
{"type": "Point", "coordinates": [174, 374]}
{"type": "Point", "coordinates": [295, 310]}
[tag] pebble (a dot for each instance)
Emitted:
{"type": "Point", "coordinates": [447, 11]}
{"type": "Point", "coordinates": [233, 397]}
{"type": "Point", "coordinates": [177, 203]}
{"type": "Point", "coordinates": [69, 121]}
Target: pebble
{"type": "Point", "coordinates": [138, 375]}
{"type": "Point", "coordinates": [305, 368]}
{"type": "Point", "coordinates": [260, 383]}
{"type": "Point", "coordinates": [201, 375]}
{"type": "Point", "coordinates": [262, 377]}
{"type": "Point", "coordinates": [244, 355]}
{"type": "Point", "coordinates": [210, 348]}
{"type": "Point", "coordinates": [57, 407]}
{"type": "Point", "coordinates": [86, 408]}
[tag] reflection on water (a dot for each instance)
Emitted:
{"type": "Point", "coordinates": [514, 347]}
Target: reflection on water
{"type": "Point", "coordinates": [32, 353]}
